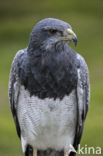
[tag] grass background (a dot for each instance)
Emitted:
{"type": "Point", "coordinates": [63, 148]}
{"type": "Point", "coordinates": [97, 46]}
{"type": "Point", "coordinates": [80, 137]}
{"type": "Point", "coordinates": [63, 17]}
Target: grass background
{"type": "Point", "coordinates": [17, 18]}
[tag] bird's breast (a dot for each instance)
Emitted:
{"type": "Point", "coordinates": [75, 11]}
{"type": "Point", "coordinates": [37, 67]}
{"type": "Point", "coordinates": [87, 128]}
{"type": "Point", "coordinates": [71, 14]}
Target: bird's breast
{"type": "Point", "coordinates": [46, 122]}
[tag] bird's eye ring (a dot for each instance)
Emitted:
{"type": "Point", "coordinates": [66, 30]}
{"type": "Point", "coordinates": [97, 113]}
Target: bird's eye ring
{"type": "Point", "coordinates": [52, 31]}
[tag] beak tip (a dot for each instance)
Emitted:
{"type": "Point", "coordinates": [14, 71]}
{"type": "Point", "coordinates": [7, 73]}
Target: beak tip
{"type": "Point", "coordinates": [75, 41]}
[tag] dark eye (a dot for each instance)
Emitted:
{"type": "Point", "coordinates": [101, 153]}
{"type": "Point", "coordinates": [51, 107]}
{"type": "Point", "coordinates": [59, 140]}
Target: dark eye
{"type": "Point", "coordinates": [52, 31]}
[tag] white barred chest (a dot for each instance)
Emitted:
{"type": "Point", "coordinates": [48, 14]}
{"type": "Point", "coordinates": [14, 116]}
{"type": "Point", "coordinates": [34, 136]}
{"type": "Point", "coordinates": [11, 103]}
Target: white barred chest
{"type": "Point", "coordinates": [47, 123]}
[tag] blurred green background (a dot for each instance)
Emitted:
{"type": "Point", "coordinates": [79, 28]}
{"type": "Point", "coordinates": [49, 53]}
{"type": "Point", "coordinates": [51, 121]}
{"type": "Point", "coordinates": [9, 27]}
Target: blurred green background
{"type": "Point", "coordinates": [17, 18]}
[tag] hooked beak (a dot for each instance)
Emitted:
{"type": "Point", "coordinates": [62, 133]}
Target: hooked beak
{"type": "Point", "coordinates": [71, 36]}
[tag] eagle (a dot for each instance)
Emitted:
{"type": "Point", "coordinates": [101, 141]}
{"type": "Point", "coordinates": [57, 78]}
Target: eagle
{"type": "Point", "coordinates": [49, 91]}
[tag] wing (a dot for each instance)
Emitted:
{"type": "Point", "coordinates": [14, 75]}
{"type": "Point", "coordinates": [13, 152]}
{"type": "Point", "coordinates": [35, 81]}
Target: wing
{"type": "Point", "coordinates": [83, 96]}
{"type": "Point", "coordinates": [14, 88]}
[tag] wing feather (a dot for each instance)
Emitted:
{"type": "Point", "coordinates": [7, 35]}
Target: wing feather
{"type": "Point", "coordinates": [14, 88]}
{"type": "Point", "coordinates": [83, 97]}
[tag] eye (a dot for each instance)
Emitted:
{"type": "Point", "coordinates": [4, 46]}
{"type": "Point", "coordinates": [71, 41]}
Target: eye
{"type": "Point", "coordinates": [52, 31]}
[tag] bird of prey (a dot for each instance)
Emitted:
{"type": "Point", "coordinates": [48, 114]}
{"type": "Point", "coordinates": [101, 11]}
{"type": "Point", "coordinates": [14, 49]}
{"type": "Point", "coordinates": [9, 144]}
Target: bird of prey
{"type": "Point", "coordinates": [49, 91]}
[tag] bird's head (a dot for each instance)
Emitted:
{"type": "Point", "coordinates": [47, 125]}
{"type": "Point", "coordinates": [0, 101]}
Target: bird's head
{"type": "Point", "coordinates": [49, 32]}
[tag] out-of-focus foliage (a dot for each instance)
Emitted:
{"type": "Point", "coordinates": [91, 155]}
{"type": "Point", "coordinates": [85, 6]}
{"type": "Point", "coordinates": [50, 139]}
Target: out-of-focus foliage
{"type": "Point", "coordinates": [17, 18]}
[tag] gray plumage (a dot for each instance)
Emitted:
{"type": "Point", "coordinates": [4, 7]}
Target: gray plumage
{"type": "Point", "coordinates": [49, 91]}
